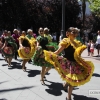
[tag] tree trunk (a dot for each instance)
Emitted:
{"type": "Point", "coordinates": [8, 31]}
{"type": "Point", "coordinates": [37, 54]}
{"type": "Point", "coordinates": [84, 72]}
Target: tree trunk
{"type": "Point", "coordinates": [83, 10]}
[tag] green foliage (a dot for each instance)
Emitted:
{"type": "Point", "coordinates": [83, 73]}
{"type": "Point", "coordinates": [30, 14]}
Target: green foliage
{"type": "Point", "coordinates": [95, 7]}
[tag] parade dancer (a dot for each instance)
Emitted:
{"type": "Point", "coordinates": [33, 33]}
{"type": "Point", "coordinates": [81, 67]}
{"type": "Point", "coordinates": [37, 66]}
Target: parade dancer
{"type": "Point", "coordinates": [72, 68]}
{"type": "Point", "coordinates": [9, 48]}
{"type": "Point", "coordinates": [38, 59]}
{"type": "Point", "coordinates": [27, 46]}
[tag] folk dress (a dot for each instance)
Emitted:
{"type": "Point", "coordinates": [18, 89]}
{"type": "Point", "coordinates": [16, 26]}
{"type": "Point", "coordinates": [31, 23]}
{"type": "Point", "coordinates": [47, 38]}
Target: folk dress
{"type": "Point", "coordinates": [72, 67]}
{"type": "Point", "coordinates": [10, 48]}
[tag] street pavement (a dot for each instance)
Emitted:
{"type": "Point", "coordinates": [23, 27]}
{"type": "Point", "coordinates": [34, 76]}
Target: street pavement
{"type": "Point", "coordinates": [18, 85]}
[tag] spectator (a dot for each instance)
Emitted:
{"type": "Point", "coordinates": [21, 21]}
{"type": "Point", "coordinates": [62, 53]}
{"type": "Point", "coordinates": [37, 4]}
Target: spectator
{"type": "Point", "coordinates": [98, 43]}
{"type": "Point", "coordinates": [61, 37]}
{"type": "Point", "coordinates": [92, 48]}
{"type": "Point", "coordinates": [54, 37]}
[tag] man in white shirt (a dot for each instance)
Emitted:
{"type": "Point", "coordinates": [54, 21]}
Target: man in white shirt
{"type": "Point", "coordinates": [98, 42]}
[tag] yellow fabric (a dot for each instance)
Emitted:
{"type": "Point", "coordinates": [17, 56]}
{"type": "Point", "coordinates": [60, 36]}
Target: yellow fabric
{"type": "Point", "coordinates": [83, 77]}
{"type": "Point", "coordinates": [21, 51]}
{"type": "Point", "coordinates": [21, 37]}
{"type": "Point", "coordinates": [66, 42]}
{"type": "Point", "coordinates": [49, 37]}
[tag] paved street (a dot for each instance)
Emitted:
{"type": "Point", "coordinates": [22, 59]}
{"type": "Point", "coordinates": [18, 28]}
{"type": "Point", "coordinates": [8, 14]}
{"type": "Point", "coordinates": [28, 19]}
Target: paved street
{"type": "Point", "coordinates": [18, 85]}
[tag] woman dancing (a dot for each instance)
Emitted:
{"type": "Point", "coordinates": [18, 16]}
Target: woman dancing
{"type": "Point", "coordinates": [72, 68]}
{"type": "Point", "coordinates": [27, 47]}
{"type": "Point", "coordinates": [38, 59]}
{"type": "Point", "coordinates": [9, 48]}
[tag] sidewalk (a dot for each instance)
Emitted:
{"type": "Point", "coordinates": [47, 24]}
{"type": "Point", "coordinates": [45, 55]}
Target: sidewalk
{"type": "Point", "coordinates": [18, 85]}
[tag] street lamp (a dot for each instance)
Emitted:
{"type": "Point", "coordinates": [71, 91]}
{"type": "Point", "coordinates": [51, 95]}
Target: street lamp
{"type": "Point", "coordinates": [63, 19]}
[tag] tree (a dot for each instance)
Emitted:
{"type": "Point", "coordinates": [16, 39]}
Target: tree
{"type": "Point", "coordinates": [95, 7]}
{"type": "Point", "coordinates": [39, 13]}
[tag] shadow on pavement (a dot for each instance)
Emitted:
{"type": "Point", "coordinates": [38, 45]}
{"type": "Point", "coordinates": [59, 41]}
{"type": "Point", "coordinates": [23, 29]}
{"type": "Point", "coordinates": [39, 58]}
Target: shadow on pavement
{"type": "Point", "coordinates": [47, 73]}
{"type": "Point", "coordinates": [3, 82]}
{"type": "Point", "coordinates": [3, 99]}
{"type": "Point", "coordinates": [15, 65]}
{"type": "Point", "coordinates": [54, 88]}
{"type": "Point", "coordinates": [2, 59]}
{"type": "Point", "coordinates": [82, 97]}
{"type": "Point", "coordinates": [4, 64]}
{"type": "Point", "coordinates": [15, 89]}
{"type": "Point", "coordinates": [96, 75]}
{"type": "Point", "coordinates": [97, 59]}
{"type": "Point", "coordinates": [95, 56]}
{"type": "Point", "coordinates": [20, 60]}
{"type": "Point", "coordinates": [75, 88]}
{"type": "Point", "coordinates": [33, 73]}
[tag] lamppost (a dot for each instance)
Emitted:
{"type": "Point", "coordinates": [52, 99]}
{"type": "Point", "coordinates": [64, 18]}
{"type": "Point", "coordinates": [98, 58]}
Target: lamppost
{"type": "Point", "coordinates": [63, 19]}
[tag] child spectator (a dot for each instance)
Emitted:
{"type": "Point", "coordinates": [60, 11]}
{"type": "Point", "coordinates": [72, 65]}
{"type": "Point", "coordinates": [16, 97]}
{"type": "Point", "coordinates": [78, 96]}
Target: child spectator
{"type": "Point", "coordinates": [92, 48]}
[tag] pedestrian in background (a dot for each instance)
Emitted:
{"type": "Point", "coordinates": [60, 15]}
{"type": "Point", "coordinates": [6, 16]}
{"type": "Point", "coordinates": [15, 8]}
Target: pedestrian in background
{"type": "Point", "coordinates": [92, 48]}
{"type": "Point", "coordinates": [98, 43]}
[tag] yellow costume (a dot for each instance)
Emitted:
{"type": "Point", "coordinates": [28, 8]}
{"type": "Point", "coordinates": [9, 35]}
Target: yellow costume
{"type": "Point", "coordinates": [72, 68]}
{"type": "Point", "coordinates": [49, 37]}
{"type": "Point", "coordinates": [28, 49]}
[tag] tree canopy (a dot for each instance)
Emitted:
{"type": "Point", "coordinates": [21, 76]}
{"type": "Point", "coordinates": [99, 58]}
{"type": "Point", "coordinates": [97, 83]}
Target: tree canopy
{"type": "Point", "coordinates": [38, 13]}
{"type": "Point", "coordinates": [95, 10]}
{"type": "Point", "coordinates": [95, 7]}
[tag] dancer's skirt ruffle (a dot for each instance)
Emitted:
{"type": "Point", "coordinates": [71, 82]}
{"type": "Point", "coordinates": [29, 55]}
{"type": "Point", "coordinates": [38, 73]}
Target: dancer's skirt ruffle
{"type": "Point", "coordinates": [52, 46]}
{"type": "Point", "coordinates": [28, 49]}
{"type": "Point", "coordinates": [26, 52]}
{"type": "Point", "coordinates": [9, 50]}
{"type": "Point", "coordinates": [38, 58]}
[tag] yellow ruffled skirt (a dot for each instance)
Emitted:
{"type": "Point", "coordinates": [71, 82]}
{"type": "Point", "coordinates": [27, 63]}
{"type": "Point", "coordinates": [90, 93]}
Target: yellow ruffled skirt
{"type": "Point", "coordinates": [75, 73]}
{"type": "Point", "coordinates": [27, 51]}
